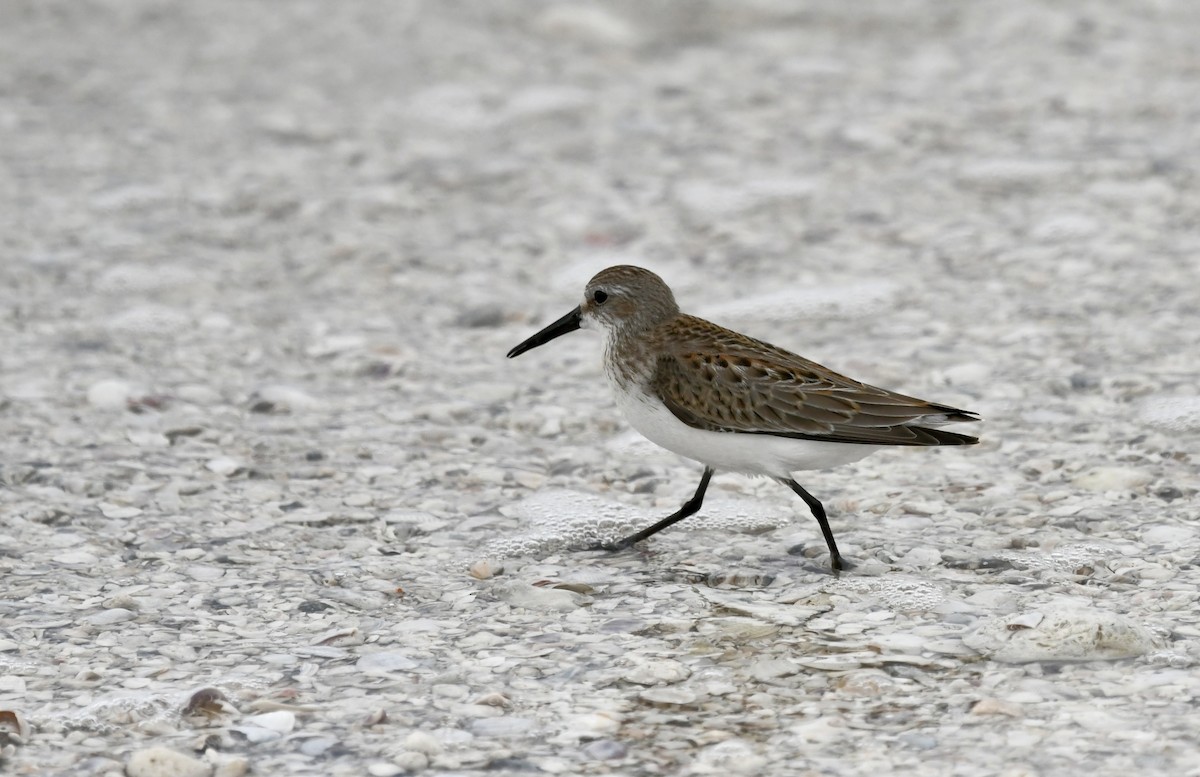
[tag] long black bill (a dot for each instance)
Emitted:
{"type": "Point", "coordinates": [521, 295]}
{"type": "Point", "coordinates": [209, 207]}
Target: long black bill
{"type": "Point", "coordinates": [568, 323]}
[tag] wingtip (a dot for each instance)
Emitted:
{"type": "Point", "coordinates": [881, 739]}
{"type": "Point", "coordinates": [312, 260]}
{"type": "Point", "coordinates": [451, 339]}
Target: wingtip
{"type": "Point", "coordinates": [953, 415]}
{"type": "Point", "coordinates": [942, 437]}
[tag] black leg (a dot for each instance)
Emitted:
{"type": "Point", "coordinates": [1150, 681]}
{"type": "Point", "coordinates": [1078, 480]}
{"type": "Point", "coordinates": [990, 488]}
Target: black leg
{"type": "Point", "coordinates": [689, 508]}
{"type": "Point", "coordinates": [818, 511]}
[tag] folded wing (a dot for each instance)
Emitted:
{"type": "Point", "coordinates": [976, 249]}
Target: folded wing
{"type": "Point", "coordinates": [725, 382]}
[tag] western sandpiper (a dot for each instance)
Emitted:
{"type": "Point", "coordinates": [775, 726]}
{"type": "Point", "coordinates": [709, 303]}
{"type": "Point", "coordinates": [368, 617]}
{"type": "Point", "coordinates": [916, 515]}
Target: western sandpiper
{"type": "Point", "coordinates": [735, 403]}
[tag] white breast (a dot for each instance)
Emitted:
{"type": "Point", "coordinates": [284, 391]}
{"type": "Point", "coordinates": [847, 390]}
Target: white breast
{"type": "Point", "coordinates": [752, 454]}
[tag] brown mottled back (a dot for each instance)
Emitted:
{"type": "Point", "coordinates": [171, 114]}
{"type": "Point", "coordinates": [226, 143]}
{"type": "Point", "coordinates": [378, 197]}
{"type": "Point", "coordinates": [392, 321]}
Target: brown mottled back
{"type": "Point", "coordinates": [716, 379]}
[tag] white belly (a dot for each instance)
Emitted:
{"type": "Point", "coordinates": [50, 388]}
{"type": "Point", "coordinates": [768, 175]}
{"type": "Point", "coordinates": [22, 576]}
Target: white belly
{"type": "Point", "coordinates": [751, 454]}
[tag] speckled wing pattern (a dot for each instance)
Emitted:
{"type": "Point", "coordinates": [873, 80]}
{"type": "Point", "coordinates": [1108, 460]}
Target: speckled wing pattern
{"type": "Point", "coordinates": [715, 379]}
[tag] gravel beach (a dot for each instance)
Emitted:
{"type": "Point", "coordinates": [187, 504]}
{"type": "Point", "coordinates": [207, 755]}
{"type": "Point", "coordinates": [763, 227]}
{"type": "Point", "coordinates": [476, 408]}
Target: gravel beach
{"type": "Point", "coordinates": [272, 500]}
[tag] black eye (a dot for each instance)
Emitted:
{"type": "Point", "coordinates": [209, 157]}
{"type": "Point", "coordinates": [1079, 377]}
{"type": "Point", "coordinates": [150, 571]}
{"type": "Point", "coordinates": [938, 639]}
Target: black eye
{"type": "Point", "coordinates": [599, 297]}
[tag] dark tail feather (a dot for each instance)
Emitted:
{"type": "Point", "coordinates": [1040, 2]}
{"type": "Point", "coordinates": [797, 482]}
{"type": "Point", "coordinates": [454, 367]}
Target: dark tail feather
{"type": "Point", "coordinates": [954, 415]}
{"type": "Point", "coordinates": [940, 437]}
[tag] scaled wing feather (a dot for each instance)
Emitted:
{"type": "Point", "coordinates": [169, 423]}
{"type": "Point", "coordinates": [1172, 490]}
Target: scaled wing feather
{"type": "Point", "coordinates": [726, 382]}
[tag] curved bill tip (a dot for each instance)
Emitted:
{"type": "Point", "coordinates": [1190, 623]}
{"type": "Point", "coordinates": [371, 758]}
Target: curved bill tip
{"type": "Point", "coordinates": [568, 323]}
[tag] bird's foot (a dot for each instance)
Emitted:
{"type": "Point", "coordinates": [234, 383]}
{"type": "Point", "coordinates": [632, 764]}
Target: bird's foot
{"type": "Point", "coordinates": [614, 546]}
{"type": "Point", "coordinates": [835, 566]}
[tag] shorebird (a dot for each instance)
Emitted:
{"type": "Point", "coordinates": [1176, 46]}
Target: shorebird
{"type": "Point", "coordinates": [735, 403]}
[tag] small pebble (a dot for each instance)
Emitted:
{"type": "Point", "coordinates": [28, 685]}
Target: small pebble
{"type": "Point", "coordinates": [165, 762]}
{"type": "Point", "coordinates": [317, 746]}
{"type": "Point", "coordinates": [411, 761]}
{"type": "Point", "coordinates": [111, 394]}
{"type": "Point", "coordinates": [279, 720]}
{"type": "Point", "coordinates": [605, 750]}
{"type": "Point", "coordinates": [593, 724]}
{"type": "Point", "coordinates": [282, 399]}
{"type": "Point", "coordinates": [657, 672]}
{"type": "Point", "coordinates": [256, 735]}
{"type": "Point", "coordinates": [224, 465]}
{"type": "Point", "coordinates": [771, 668]}
{"type": "Point", "coordinates": [110, 617]}
{"type": "Point", "coordinates": [1112, 479]}
{"type": "Point", "coordinates": [521, 594]}
{"type": "Point", "coordinates": [421, 742]}
{"type": "Point", "coordinates": [119, 511]}
{"type": "Point", "coordinates": [485, 569]}
{"type": "Point", "coordinates": [147, 439]}
{"type": "Point", "coordinates": [75, 557]}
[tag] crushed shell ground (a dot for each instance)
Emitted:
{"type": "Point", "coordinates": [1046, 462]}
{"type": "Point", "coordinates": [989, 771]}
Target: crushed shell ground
{"type": "Point", "coordinates": [272, 500]}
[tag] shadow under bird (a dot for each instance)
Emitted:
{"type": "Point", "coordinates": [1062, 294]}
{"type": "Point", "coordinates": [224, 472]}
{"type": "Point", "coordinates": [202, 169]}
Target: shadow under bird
{"type": "Point", "coordinates": [735, 403]}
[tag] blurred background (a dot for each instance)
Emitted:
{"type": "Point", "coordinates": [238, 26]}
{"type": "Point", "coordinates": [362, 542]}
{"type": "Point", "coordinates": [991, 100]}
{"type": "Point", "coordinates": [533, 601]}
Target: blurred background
{"type": "Point", "coordinates": [212, 169]}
